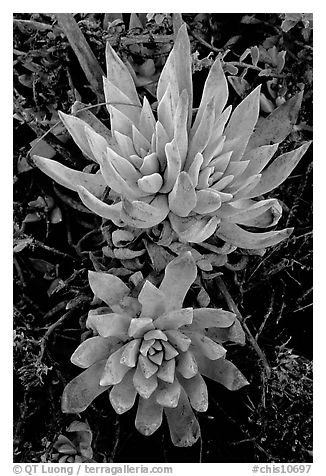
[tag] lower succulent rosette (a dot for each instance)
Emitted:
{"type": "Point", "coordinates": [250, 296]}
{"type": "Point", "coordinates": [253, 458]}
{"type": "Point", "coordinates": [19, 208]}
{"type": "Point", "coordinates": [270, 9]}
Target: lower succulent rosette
{"type": "Point", "coordinates": [149, 347]}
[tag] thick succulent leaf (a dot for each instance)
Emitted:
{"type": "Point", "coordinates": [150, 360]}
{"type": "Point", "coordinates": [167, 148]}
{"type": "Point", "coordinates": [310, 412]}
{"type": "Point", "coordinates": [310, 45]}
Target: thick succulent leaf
{"type": "Point", "coordinates": [193, 229]}
{"type": "Point", "coordinates": [140, 325]}
{"type": "Point", "coordinates": [150, 164]}
{"type": "Point", "coordinates": [82, 437]}
{"type": "Point", "coordinates": [174, 319]}
{"type": "Point", "coordinates": [169, 351]}
{"type": "Point", "coordinates": [234, 334]}
{"type": "Point", "coordinates": [183, 425]}
{"type": "Point", "coordinates": [236, 236]}
{"type": "Point", "coordinates": [247, 186]}
{"type": "Point", "coordinates": [83, 389]}
{"type": "Point", "coordinates": [177, 70]}
{"type": "Point", "coordinates": [179, 340]}
{"type": "Point", "coordinates": [182, 198]}
{"type": "Point", "coordinates": [118, 74]}
{"type": "Point", "coordinates": [247, 209]}
{"type": "Point", "coordinates": [186, 364]}
{"type": "Point", "coordinates": [213, 148]}
{"type": "Point", "coordinates": [203, 133]}
{"type": "Point", "coordinates": [278, 171]}
{"type": "Point", "coordinates": [114, 371]}
{"type": "Point", "coordinates": [258, 158]}
{"type": "Point", "coordinates": [139, 214]}
{"type": "Point", "coordinates": [108, 325]}
{"type": "Point", "coordinates": [123, 394]}
{"type": "Point", "coordinates": [148, 367]}
{"type": "Point", "coordinates": [149, 416]}
{"type": "Point", "coordinates": [115, 96]}
{"type": "Point", "coordinates": [278, 125]}
{"type": "Point", "coordinates": [70, 178]}
{"type": "Point", "coordinates": [120, 122]}
{"type": "Point", "coordinates": [130, 353]}
{"type": "Point", "coordinates": [215, 86]}
{"type": "Point", "coordinates": [207, 201]}
{"type": "Point", "coordinates": [222, 371]}
{"type": "Point", "coordinates": [173, 166]}
{"type": "Point", "coordinates": [241, 125]}
{"type": "Point", "coordinates": [167, 370]}
{"type": "Point", "coordinates": [144, 386]}
{"type": "Point", "coordinates": [110, 212]}
{"type": "Point", "coordinates": [76, 128]}
{"type": "Point", "coordinates": [166, 112]}
{"type": "Point", "coordinates": [194, 168]}
{"type": "Point", "coordinates": [260, 217]}
{"type": "Point", "coordinates": [107, 287]}
{"type": "Point", "coordinates": [152, 301]}
{"type": "Point", "coordinates": [94, 349]}
{"type": "Point", "coordinates": [206, 346]}
{"type": "Point", "coordinates": [150, 183]}
{"type": "Point", "coordinates": [140, 142]}
{"type": "Point", "coordinates": [221, 162]}
{"type": "Point", "coordinates": [167, 394]}
{"type": "Point", "coordinates": [147, 120]}
{"type": "Point", "coordinates": [97, 144]}
{"type": "Point", "coordinates": [126, 145]}
{"type": "Point", "coordinates": [161, 139]}
{"type": "Point", "coordinates": [180, 126]}
{"type": "Point", "coordinates": [208, 317]}
{"type": "Point", "coordinates": [196, 391]}
{"type": "Point", "coordinates": [63, 443]}
{"type": "Point", "coordinates": [179, 275]}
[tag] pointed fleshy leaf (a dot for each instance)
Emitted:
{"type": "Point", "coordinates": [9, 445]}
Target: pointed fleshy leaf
{"type": "Point", "coordinates": [114, 371]}
{"type": "Point", "coordinates": [94, 349]}
{"type": "Point", "coordinates": [83, 389]}
{"type": "Point", "coordinates": [139, 214]}
{"type": "Point", "coordinates": [147, 120]}
{"type": "Point", "coordinates": [70, 178]}
{"type": "Point", "coordinates": [241, 125]}
{"type": "Point", "coordinates": [179, 340]}
{"type": "Point", "coordinates": [169, 351]}
{"type": "Point", "coordinates": [180, 133]}
{"type": "Point", "coordinates": [193, 229]}
{"type": "Point", "coordinates": [152, 300]}
{"type": "Point", "coordinates": [206, 346]}
{"type": "Point", "coordinates": [179, 275]}
{"type": "Point", "coordinates": [157, 358]}
{"type": "Point", "coordinates": [155, 334]}
{"type": "Point", "coordinates": [115, 96]}
{"type": "Point", "coordinates": [150, 183]}
{"type": "Point", "coordinates": [120, 122]}
{"type": "Point", "coordinates": [167, 394]}
{"type": "Point", "coordinates": [278, 125]}
{"type": "Point", "coordinates": [166, 112]}
{"type": "Point", "coordinates": [139, 326]}
{"type": "Point", "coordinates": [123, 394]}
{"type": "Point", "coordinates": [149, 416]}
{"type": "Point", "coordinates": [208, 201]}
{"type": "Point", "coordinates": [118, 74]}
{"type": "Point", "coordinates": [167, 370]}
{"type": "Point", "coordinates": [144, 386]}
{"type": "Point", "coordinates": [108, 325]}
{"type": "Point", "coordinates": [110, 212]}
{"type": "Point", "coordinates": [161, 139]}
{"type": "Point", "coordinates": [194, 168]}
{"type": "Point", "coordinates": [183, 425]}
{"type": "Point", "coordinates": [126, 145]}
{"type": "Point", "coordinates": [204, 177]}
{"type": "Point", "coordinates": [213, 149]}
{"type": "Point", "coordinates": [221, 162]}
{"type": "Point", "coordinates": [246, 187]}
{"type": "Point", "coordinates": [236, 168]}
{"type": "Point", "coordinates": [177, 71]}
{"type": "Point", "coordinates": [182, 198]}
{"type": "Point", "coordinates": [208, 317]}
{"type": "Point", "coordinates": [258, 158]}
{"type": "Point", "coordinates": [150, 164]}
{"type": "Point", "coordinates": [107, 287]}
{"type": "Point", "coordinates": [215, 86]}
{"type": "Point", "coordinates": [146, 346]}
{"type": "Point", "coordinates": [186, 364]}
{"type": "Point", "coordinates": [196, 391]}
{"type": "Point", "coordinates": [129, 356]}
{"type": "Point", "coordinates": [234, 334]}
{"type": "Point", "coordinates": [203, 133]}
{"type": "Point", "coordinates": [265, 216]}
{"type": "Point", "coordinates": [140, 142]}
{"type": "Point", "coordinates": [235, 235]}
{"type": "Point", "coordinates": [278, 171]}
{"type": "Point", "coordinates": [174, 319]}
{"type": "Point", "coordinates": [147, 367]}
{"type": "Point", "coordinates": [222, 371]}
{"type": "Point", "coordinates": [76, 128]}
{"type": "Point", "coordinates": [173, 166]}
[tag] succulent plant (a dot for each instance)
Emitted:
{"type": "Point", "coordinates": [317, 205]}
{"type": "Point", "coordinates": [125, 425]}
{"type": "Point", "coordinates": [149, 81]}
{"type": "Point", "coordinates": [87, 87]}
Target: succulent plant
{"type": "Point", "coordinates": [78, 448]}
{"type": "Point", "coordinates": [203, 175]}
{"type": "Point", "coordinates": [147, 345]}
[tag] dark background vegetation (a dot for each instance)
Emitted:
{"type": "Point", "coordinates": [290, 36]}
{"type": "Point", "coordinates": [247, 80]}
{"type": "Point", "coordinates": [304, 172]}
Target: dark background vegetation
{"type": "Point", "coordinates": [56, 240]}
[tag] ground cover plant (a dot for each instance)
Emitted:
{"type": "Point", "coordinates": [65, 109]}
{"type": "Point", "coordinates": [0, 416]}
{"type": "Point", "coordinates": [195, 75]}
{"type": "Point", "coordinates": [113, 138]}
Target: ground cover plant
{"type": "Point", "coordinates": [188, 141]}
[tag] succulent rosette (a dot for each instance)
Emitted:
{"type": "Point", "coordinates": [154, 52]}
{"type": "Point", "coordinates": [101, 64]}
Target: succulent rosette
{"type": "Point", "coordinates": [151, 348]}
{"type": "Point", "coordinates": [77, 448]}
{"type": "Point", "coordinates": [202, 174]}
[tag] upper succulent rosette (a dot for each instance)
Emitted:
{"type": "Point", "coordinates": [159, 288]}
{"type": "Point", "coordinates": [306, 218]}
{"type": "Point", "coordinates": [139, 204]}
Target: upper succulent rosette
{"type": "Point", "coordinates": [152, 347]}
{"type": "Point", "coordinates": [202, 174]}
